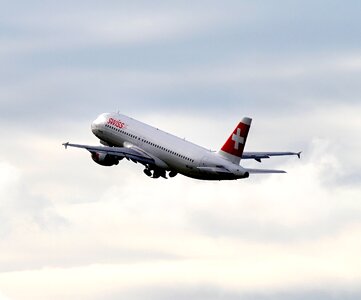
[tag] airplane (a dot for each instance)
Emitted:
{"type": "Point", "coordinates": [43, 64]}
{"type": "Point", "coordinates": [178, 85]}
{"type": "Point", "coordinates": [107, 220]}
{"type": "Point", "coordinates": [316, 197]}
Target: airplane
{"type": "Point", "coordinates": [164, 154]}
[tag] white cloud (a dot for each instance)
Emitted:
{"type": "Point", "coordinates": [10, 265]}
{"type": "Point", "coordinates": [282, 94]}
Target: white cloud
{"type": "Point", "coordinates": [3, 297]}
{"type": "Point", "coordinates": [8, 176]}
{"type": "Point", "coordinates": [223, 264]}
{"type": "Point", "coordinates": [135, 233]}
{"type": "Point", "coordinates": [21, 210]}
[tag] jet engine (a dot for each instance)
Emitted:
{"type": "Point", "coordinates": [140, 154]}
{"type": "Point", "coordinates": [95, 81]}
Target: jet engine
{"type": "Point", "coordinates": [104, 159]}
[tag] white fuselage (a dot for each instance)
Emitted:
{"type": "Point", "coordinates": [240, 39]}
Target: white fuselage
{"type": "Point", "coordinates": [170, 152]}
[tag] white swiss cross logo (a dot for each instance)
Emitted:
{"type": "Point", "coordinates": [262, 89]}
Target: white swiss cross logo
{"type": "Point", "coordinates": [237, 139]}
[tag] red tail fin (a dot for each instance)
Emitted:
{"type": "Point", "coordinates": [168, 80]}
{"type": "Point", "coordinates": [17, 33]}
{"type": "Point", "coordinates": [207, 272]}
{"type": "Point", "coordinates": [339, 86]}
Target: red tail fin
{"type": "Point", "coordinates": [233, 148]}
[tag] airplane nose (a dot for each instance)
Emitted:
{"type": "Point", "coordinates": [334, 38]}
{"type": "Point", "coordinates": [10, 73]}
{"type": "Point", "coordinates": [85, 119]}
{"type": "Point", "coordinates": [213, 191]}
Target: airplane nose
{"type": "Point", "coordinates": [97, 123]}
{"type": "Point", "coordinates": [94, 127]}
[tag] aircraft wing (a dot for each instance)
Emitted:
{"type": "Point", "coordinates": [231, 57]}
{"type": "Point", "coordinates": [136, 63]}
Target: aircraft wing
{"type": "Point", "coordinates": [261, 155]}
{"type": "Point", "coordinates": [120, 152]}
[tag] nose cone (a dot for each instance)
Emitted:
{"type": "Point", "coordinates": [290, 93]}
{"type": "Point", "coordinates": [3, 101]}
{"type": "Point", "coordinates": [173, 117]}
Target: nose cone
{"type": "Point", "coordinates": [98, 123]}
{"type": "Point", "coordinates": [94, 127]}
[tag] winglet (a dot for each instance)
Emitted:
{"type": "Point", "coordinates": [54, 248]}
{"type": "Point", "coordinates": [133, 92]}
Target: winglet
{"type": "Point", "coordinates": [299, 154]}
{"type": "Point", "coordinates": [65, 145]}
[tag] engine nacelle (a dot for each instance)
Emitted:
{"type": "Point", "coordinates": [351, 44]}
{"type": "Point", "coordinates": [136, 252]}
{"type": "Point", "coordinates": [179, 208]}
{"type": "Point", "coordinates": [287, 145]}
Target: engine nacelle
{"type": "Point", "coordinates": [104, 159]}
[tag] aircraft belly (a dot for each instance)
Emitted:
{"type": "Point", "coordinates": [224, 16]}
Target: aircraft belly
{"type": "Point", "coordinates": [113, 139]}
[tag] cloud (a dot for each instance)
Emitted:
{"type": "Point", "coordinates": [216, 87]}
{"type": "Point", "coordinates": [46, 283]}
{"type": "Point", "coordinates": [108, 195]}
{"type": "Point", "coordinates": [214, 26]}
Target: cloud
{"type": "Point", "coordinates": [237, 269]}
{"type": "Point", "coordinates": [136, 238]}
{"type": "Point", "coordinates": [3, 297]}
{"type": "Point", "coordinates": [273, 88]}
{"type": "Point", "coordinates": [189, 231]}
{"type": "Point", "coordinates": [214, 293]}
{"type": "Point", "coordinates": [19, 206]}
{"type": "Point", "coordinates": [87, 25]}
{"type": "Point", "coordinates": [252, 215]}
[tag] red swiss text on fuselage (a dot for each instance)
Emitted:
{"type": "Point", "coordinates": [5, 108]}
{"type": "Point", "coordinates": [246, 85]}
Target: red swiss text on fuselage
{"type": "Point", "coordinates": [116, 123]}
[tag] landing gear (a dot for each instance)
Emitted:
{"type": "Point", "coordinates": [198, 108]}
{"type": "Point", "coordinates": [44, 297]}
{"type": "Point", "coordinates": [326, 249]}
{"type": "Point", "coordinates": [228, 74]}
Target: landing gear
{"type": "Point", "coordinates": [147, 172]}
{"type": "Point", "coordinates": [155, 173]}
{"type": "Point", "coordinates": [159, 173]}
{"type": "Point", "coordinates": [172, 174]}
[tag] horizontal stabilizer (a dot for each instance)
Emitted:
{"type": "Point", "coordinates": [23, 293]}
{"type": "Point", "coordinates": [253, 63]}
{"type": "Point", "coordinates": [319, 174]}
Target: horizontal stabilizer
{"type": "Point", "coordinates": [258, 156]}
{"type": "Point", "coordinates": [263, 171]}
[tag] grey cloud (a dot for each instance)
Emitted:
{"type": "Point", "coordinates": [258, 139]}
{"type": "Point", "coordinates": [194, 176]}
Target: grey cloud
{"type": "Point", "coordinates": [19, 205]}
{"type": "Point", "coordinates": [245, 228]}
{"type": "Point", "coordinates": [65, 94]}
{"type": "Point", "coordinates": [207, 292]}
{"type": "Point", "coordinates": [221, 61]}
{"type": "Point", "coordinates": [351, 178]}
{"type": "Point", "coordinates": [27, 208]}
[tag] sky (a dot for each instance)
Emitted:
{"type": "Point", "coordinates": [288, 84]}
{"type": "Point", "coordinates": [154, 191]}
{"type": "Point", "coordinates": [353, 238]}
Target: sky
{"type": "Point", "coordinates": [71, 229]}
